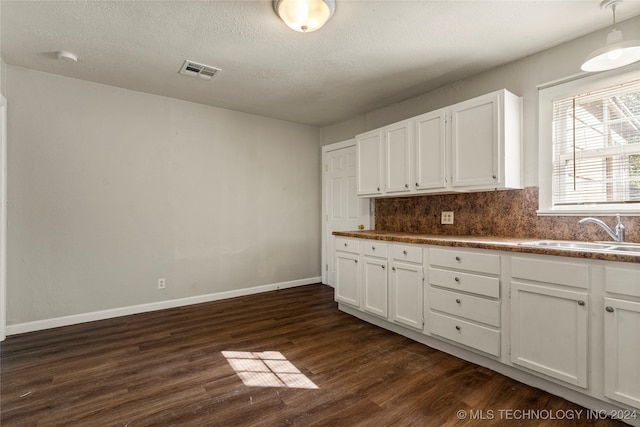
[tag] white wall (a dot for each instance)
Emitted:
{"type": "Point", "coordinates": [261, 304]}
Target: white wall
{"type": "Point", "coordinates": [110, 189]}
{"type": "Point", "coordinates": [520, 77]}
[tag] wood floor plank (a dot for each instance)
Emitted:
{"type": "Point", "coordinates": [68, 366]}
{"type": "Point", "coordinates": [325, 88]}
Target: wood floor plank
{"type": "Point", "coordinates": [167, 368]}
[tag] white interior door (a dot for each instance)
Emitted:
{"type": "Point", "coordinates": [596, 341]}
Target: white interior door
{"type": "Point", "coordinates": [342, 210]}
{"type": "Point", "coordinates": [3, 214]}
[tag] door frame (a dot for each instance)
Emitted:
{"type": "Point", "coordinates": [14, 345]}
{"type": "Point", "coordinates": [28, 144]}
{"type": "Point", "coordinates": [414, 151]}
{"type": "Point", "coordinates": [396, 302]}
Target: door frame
{"type": "Point", "coordinates": [3, 216]}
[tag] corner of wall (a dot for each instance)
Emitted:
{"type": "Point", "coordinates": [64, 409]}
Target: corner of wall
{"type": "Point", "coordinates": [3, 77]}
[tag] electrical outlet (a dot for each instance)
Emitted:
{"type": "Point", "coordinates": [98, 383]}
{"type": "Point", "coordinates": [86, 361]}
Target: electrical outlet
{"type": "Point", "coordinates": [162, 283]}
{"type": "Point", "coordinates": [447, 217]}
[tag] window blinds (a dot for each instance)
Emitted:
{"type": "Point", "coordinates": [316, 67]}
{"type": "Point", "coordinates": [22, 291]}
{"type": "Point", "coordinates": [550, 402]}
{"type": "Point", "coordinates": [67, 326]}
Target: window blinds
{"type": "Point", "coordinates": [596, 147]}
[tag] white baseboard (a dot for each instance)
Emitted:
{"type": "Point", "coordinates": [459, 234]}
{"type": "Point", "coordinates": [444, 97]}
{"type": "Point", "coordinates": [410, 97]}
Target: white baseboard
{"type": "Point", "coordinates": [39, 325]}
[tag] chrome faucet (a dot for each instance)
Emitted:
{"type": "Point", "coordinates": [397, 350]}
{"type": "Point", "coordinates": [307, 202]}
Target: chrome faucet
{"type": "Point", "coordinates": [618, 235]}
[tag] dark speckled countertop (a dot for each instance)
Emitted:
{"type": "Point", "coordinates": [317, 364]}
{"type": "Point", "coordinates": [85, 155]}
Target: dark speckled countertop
{"type": "Point", "coordinates": [510, 244]}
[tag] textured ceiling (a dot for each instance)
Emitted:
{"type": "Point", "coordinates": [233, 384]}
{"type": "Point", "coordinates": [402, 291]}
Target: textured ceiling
{"type": "Point", "coordinates": [369, 55]}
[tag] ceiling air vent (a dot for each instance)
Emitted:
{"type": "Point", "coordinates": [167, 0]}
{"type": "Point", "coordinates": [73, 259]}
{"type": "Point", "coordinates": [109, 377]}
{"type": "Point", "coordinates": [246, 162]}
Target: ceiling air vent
{"type": "Point", "coordinates": [194, 69]}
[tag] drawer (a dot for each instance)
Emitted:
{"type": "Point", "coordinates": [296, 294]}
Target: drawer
{"type": "Point", "coordinates": [470, 334]}
{"type": "Point", "coordinates": [473, 308]}
{"type": "Point", "coordinates": [346, 245]}
{"type": "Point", "coordinates": [463, 260]}
{"type": "Point", "coordinates": [622, 281]}
{"type": "Point", "coordinates": [407, 253]}
{"type": "Point", "coordinates": [551, 271]}
{"type": "Point", "coordinates": [374, 248]}
{"type": "Point", "coordinates": [466, 282]}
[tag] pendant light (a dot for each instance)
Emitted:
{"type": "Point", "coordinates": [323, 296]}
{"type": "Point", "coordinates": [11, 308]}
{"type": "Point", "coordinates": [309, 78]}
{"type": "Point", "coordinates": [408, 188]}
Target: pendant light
{"type": "Point", "coordinates": [304, 16]}
{"type": "Point", "coordinates": [617, 53]}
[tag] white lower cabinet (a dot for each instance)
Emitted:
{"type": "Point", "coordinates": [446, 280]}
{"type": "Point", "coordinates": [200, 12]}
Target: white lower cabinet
{"type": "Point", "coordinates": [622, 335]}
{"type": "Point", "coordinates": [407, 286]}
{"type": "Point", "coordinates": [374, 278]}
{"type": "Point", "coordinates": [464, 298]}
{"type": "Point", "coordinates": [549, 322]}
{"type": "Point", "coordinates": [622, 351]}
{"type": "Point", "coordinates": [347, 272]}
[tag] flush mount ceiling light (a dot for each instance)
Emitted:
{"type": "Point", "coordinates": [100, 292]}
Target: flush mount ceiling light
{"type": "Point", "coordinates": [304, 16]}
{"type": "Point", "coordinates": [617, 53]}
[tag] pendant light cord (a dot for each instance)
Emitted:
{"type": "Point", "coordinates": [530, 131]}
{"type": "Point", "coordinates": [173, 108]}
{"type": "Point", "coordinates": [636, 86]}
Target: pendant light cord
{"type": "Point", "coordinates": [613, 9]}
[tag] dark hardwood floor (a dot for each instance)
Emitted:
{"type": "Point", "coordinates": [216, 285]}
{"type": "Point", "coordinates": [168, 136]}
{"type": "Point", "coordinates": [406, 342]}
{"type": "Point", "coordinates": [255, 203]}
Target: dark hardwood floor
{"type": "Point", "coordinates": [167, 368]}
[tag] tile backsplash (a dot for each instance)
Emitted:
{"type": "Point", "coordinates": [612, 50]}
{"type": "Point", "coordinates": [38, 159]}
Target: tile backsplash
{"type": "Point", "coordinates": [508, 213]}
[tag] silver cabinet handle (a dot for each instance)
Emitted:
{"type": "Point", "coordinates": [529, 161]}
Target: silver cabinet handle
{"type": "Point", "coordinates": [609, 309]}
{"type": "Point", "coordinates": [458, 258]}
{"type": "Point", "coordinates": [458, 328]}
{"type": "Point", "coordinates": [581, 303]}
{"type": "Point", "coordinates": [458, 300]}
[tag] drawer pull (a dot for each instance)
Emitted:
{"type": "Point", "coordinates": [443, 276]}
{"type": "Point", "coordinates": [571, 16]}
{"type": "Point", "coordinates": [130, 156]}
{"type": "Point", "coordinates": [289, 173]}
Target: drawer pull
{"type": "Point", "coordinates": [417, 185]}
{"type": "Point", "coordinates": [382, 267]}
{"type": "Point", "coordinates": [345, 245]}
{"type": "Point", "coordinates": [458, 300]}
{"type": "Point", "coordinates": [355, 260]}
{"type": "Point", "coordinates": [406, 186]}
{"type": "Point", "coordinates": [458, 328]}
{"type": "Point", "coordinates": [393, 268]}
{"type": "Point", "coordinates": [404, 252]}
{"type": "Point", "coordinates": [378, 188]}
{"type": "Point", "coordinates": [373, 248]}
{"type": "Point", "coordinates": [458, 258]}
{"type": "Point", "coordinates": [609, 309]}
{"type": "Point", "coordinates": [581, 303]}
{"type": "Point", "coordinates": [457, 279]}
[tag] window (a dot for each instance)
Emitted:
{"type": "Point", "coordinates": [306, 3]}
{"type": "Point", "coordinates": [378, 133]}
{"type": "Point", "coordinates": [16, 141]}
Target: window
{"type": "Point", "coordinates": [590, 146]}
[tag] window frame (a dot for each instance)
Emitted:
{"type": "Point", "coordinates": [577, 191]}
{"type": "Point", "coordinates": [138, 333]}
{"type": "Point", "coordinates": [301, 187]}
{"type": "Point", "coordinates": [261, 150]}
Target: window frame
{"type": "Point", "coordinates": [546, 95]}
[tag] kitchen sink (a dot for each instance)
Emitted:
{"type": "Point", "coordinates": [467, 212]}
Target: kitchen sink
{"type": "Point", "coordinates": [588, 246]}
{"type": "Point", "coordinates": [567, 245]}
{"type": "Point", "coordinates": [626, 248]}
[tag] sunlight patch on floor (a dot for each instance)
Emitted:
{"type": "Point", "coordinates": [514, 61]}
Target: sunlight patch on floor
{"type": "Point", "coordinates": [267, 369]}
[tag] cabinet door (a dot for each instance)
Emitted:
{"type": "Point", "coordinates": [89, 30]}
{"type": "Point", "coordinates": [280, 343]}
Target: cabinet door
{"type": "Point", "coordinates": [398, 154]}
{"type": "Point", "coordinates": [375, 286]}
{"type": "Point", "coordinates": [431, 155]}
{"type": "Point", "coordinates": [347, 279]}
{"type": "Point", "coordinates": [475, 142]}
{"type": "Point", "coordinates": [406, 288]}
{"type": "Point", "coordinates": [369, 163]}
{"type": "Point", "coordinates": [549, 331]}
{"type": "Point", "coordinates": [622, 351]}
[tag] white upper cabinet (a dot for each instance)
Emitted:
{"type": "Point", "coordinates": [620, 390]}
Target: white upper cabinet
{"type": "Point", "coordinates": [486, 142]}
{"type": "Point", "coordinates": [431, 151]}
{"type": "Point", "coordinates": [474, 145]}
{"type": "Point", "coordinates": [397, 143]}
{"type": "Point", "coordinates": [369, 156]}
